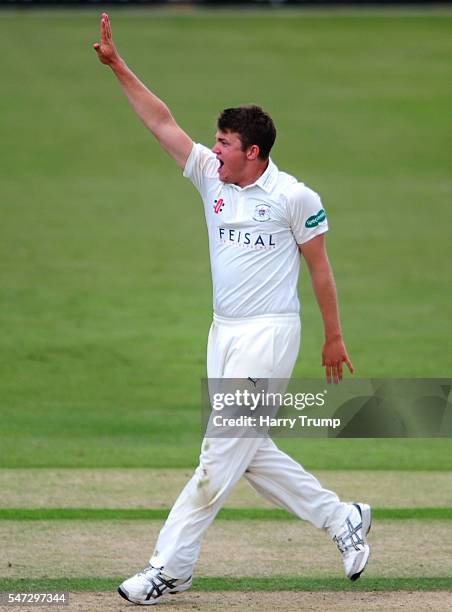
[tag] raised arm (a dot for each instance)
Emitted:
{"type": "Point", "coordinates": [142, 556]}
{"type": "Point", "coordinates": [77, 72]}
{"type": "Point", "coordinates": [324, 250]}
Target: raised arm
{"type": "Point", "coordinates": [154, 113]}
{"type": "Point", "coordinates": [334, 353]}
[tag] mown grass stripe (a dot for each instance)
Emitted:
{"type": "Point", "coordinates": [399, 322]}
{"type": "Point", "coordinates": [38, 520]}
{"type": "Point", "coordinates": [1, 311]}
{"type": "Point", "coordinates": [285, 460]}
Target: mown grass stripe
{"type": "Point", "coordinates": [228, 514]}
{"type": "Point", "coordinates": [273, 583]}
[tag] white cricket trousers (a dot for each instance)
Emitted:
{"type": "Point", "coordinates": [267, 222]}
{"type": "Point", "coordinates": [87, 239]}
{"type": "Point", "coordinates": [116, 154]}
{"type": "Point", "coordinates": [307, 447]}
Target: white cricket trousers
{"type": "Point", "coordinates": [258, 347]}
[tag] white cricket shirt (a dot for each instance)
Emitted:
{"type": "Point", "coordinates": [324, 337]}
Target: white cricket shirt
{"type": "Point", "coordinates": [253, 236]}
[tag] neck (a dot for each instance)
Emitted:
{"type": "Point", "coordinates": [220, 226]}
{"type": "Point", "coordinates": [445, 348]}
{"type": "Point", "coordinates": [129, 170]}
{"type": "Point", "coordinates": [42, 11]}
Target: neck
{"type": "Point", "coordinates": [253, 174]}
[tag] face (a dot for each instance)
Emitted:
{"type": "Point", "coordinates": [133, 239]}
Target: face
{"type": "Point", "coordinates": [233, 160]}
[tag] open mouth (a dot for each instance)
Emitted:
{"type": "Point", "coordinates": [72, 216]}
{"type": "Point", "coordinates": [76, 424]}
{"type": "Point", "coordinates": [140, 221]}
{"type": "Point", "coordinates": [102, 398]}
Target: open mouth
{"type": "Point", "coordinates": [221, 164]}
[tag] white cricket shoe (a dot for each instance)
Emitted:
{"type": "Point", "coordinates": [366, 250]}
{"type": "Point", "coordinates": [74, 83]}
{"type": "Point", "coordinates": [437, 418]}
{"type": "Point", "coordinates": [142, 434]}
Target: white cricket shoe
{"type": "Point", "coordinates": [351, 540]}
{"type": "Point", "coordinates": [151, 585]}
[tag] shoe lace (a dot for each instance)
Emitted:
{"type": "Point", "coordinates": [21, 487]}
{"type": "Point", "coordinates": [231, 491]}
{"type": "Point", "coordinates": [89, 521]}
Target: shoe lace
{"type": "Point", "coordinates": [149, 572]}
{"type": "Point", "coordinates": [159, 583]}
{"type": "Point", "coordinates": [350, 539]}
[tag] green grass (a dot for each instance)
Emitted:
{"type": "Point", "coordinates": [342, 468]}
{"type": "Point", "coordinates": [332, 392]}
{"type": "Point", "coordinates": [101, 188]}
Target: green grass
{"type": "Point", "coordinates": [274, 583]}
{"type": "Point", "coordinates": [227, 514]}
{"type": "Point", "coordinates": [102, 440]}
{"type": "Point", "coordinates": [106, 298]}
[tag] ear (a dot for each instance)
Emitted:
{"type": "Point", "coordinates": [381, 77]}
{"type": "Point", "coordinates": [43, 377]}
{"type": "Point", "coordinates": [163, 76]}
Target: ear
{"type": "Point", "coordinates": [252, 152]}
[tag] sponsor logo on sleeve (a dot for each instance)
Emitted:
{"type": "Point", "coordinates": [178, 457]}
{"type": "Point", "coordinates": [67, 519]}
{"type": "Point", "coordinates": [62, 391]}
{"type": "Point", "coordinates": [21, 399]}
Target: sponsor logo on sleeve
{"type": "Point", "coordinates": [262, 212]}
{"type": "Point", "coordinates": [316, 219]}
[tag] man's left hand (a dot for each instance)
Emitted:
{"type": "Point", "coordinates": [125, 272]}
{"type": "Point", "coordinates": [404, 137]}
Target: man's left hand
{"type": "Point", "coordinates": [334, 354]}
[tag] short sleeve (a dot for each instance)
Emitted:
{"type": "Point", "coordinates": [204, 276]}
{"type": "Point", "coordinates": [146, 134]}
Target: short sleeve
{"type": "Point", "coordinates": [201, 164]}
{"type": "Point", "coordinates": [307, 216]}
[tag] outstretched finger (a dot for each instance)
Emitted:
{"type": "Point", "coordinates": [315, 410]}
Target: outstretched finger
{"type": "Point", "coordinates": [349, 365]}
{"type": "Point", "coordinates": [103, 29]}
{"type": "Point", "coordinates": [336, 375]}
{"type": "Point", "coordinates": [328, 374]}
{"type": "Point", "coordinates": [108, 27]}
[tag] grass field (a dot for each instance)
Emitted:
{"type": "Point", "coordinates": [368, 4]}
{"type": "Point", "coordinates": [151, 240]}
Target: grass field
{"type": "Point", "coordinates": [105, 297]}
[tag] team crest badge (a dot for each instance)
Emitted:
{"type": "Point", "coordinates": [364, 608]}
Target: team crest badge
{"type": "Point", "coordinates": [262, 212]}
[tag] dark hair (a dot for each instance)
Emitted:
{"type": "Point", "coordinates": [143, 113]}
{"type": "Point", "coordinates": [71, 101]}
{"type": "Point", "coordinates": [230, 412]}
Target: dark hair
{"type": "Point", "coordinates": [252, 124]}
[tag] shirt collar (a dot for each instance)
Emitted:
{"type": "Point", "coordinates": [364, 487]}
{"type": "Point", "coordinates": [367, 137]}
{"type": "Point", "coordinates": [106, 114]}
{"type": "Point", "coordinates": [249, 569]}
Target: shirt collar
{"type": "Point", "coordinates": [267, 179]}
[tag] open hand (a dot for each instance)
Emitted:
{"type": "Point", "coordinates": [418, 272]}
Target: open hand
{"type": "Point", "coordinates": [106, 50]}
{"type": "Point", "coordinates": [334, 354]}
